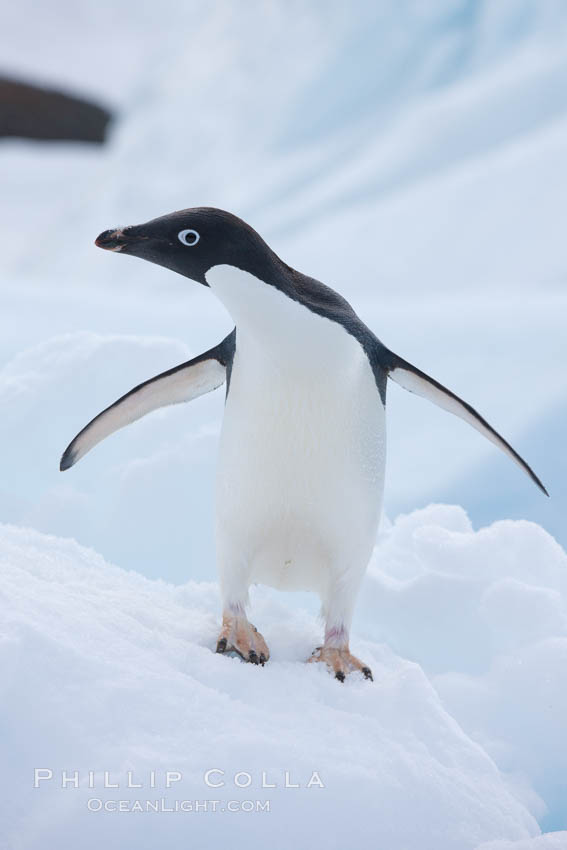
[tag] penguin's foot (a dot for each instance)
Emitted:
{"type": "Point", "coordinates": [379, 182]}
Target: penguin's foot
{"type": "Point", "coordinates": [241, 637]}
{"type": "Point", "coordinates": [340, 662]}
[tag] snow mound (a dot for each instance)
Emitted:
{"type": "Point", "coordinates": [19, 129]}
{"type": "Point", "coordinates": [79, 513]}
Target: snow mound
{"type": "Point", "coordinates": [105, 670]}
{"type": "Point", "coordinates": [485, 616]}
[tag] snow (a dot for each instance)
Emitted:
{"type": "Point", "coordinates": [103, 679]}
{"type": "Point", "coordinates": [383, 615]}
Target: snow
{"type": "Point", "coordinates": [413, 156]}
{"type": "Point", "coordinates": [106, 670]}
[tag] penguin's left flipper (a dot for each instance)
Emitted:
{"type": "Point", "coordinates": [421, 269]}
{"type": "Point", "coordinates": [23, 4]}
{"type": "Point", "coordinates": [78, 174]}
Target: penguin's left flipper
{"type": "Point", "coordinates": [416, 381]}
{"type": "Point", "coordinates": [182, 383]}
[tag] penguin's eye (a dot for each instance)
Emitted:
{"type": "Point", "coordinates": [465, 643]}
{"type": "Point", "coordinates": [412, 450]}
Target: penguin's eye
{"type": "Point", "coordinates": [188, 237]}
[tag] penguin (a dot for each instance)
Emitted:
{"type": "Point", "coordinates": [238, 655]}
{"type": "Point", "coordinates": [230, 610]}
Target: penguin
{"type": "Point", "coordinates": [303, 442]}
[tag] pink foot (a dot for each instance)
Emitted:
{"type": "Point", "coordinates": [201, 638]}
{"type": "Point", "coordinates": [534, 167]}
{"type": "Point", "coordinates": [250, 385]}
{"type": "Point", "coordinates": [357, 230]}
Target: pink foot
{"type": "Point", "coordinates": [240, 636]}
{"type": "Point", "coordinates": [340, 662]}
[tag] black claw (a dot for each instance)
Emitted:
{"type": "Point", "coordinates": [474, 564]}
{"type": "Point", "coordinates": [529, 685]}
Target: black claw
{"type": "Point", "coordinates": [263, 659]}
{"type": "Point", "coordinates": [253, 658]}
{"type": "Point", "coordinates": [340, 675]}
{"type": "Point", "coordinates": [368, 673]}
{"type": "Point", "coordinates": [221, 645]}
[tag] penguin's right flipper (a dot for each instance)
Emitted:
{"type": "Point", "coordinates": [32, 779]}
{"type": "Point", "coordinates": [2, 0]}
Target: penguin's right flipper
{"type": "Point", "coordinates": [182, 383]}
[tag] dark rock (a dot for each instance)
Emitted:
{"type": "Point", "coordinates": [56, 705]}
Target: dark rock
{"type": "Point", "coordinates": [33, 112]}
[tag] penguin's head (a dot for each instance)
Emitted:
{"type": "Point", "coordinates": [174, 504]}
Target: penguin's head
{"type": "Point", "coordinates": [192, 241]}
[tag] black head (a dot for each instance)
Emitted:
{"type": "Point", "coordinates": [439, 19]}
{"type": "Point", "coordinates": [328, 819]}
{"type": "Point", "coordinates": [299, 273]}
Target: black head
{"type": "Point", "coordinates": [192, 241]}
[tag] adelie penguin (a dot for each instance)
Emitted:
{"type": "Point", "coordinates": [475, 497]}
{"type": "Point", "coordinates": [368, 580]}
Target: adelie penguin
{"type": "Point", "coordinates": [303, 444]}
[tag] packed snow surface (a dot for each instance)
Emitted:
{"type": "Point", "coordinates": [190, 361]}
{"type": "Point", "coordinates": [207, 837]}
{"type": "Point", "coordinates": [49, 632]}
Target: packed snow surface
{"type": "Point", "coordinates": [458, 741]}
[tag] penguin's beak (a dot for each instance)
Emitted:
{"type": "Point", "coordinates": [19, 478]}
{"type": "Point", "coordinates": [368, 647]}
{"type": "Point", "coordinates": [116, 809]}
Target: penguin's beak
{"type": "Point", "coordinates": [125, 239]}
{"type": "Point", "coordinates": [112, 240]}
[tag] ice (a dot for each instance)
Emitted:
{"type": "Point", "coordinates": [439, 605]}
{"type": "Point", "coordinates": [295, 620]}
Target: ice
{"type": "Point", "coordinates": [430, 192]}
{"type": "Point", "coordinates": [550, 841]}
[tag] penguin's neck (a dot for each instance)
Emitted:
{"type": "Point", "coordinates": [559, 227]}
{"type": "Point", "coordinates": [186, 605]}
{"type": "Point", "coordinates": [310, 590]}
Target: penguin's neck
{"type": "Point", "coordinates": [271, 321]}
{"type": "Point", "coordinates": [257, 308]}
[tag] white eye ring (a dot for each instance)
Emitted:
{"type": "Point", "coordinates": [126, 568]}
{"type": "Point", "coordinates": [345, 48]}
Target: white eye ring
{"type": "Point", "coordinates": [183, 235]}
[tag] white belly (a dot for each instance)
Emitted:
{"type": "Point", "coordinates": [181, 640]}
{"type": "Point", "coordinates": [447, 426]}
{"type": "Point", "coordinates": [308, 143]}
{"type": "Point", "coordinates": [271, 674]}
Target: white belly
{"type": "Point", "coordinates": [302, 451]}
